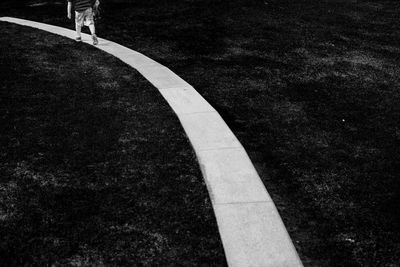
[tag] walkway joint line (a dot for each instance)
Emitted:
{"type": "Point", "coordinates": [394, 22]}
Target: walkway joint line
{"type": "Point", "coordinates": [220, 148]}
{"type": "Point", "coordinates": [244, 203]}
{"type": "Point", "coordinates": [196, 112]}
{"type": "Point", "coordinates": [252, 232]}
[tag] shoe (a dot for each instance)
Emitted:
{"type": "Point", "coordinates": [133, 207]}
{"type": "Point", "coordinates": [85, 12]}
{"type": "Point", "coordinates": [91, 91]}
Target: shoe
{"type": "Point", "coordinates": [78, 39]}
{"type": "Point", "coordinates": [95, 41]}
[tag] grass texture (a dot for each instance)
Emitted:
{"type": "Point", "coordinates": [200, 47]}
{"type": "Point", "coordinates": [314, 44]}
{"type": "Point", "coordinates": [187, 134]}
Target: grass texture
{"type": "Point", "coordinates": [95, 169]}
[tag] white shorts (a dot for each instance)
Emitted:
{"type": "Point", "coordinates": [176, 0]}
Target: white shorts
{"type": "Point", "coordinates": [84, 17]}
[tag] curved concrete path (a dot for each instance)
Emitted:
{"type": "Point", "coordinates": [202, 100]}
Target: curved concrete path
{"type": "Point", "coordinates": [251, 229]}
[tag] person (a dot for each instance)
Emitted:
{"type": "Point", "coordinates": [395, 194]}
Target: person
{"type": "Point", "coordinates": [83, 17]}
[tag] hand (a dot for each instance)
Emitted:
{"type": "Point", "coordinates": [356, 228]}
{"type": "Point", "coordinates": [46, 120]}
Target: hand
{"type": "Point", "coordinates": [69, 15]}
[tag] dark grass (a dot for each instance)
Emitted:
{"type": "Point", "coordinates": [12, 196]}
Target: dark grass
{"type": "Point", "coordinates": [311, 88]}
{"type": "Point", "coordinates": [95, 168]}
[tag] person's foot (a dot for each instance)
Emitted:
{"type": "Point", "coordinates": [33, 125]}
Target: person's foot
{"type": "Point", "coordinates": [95, 41]}
{"type": "Point", "coordinates": [78, 39]}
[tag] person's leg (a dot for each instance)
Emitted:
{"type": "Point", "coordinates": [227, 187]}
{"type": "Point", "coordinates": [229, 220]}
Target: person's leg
{"type": "Point", "coordinates": [78, 25]}
{"type": "Point", "coordinates": [90, 23]}
{"type": "Point", "coordinates": [93, 32]}
{"type": "Point", "coordinates": [92, 29]}
{"type": "Point", "coordinates": [78, 30]}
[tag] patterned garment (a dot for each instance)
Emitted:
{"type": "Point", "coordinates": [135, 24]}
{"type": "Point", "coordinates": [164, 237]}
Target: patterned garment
{"type": "Point", "coordinates": [84, 17]}
{"type": "Point", "coordinates": [81, 5]}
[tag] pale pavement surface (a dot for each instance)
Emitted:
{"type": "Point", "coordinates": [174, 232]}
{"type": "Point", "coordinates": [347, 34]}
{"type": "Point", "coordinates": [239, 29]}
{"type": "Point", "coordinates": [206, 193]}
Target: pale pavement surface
{"type": "Point", "coordinates": [251, 229]}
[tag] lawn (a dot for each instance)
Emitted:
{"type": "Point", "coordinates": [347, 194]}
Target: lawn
{"type": "Point", "coordinates": [310, 87]}
{"type": "Point", "coordinates": [95, 169]}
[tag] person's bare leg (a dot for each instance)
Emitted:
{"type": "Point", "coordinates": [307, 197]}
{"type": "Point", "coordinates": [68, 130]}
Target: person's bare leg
{"type": "Point", "coordinates": [78, 32]}
{"type": "Point", "coordinates": [92, 29]}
